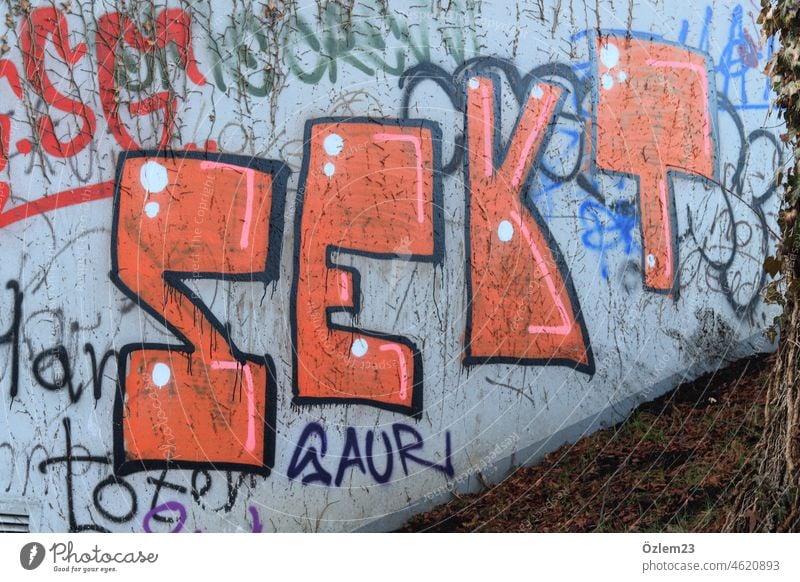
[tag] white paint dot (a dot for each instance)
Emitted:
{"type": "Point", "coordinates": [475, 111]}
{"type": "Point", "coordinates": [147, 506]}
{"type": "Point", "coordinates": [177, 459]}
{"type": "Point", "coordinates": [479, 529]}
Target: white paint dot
{"type": "Point", "coordinates": [608, 81]}
{"type": "Point", "coordinates": [536, 92]}
{"type": "Point", "coordinates": [609, 55]}
{"type": "Point", "coordinates": [651, 261]}
{"type": "Point", "coordinates": [622, 76]}
{"type": "Point", "coordinates": [333, 144]}
{"type": "Point", "coordinates": [153, 177]}
{"type": "Point", "coordinates": [474, 83]}
{"type": "Point", "coordinates": [505, 231]}
{"type": "Point", "coordinates": [151, 209]}
{"type": "Point", "coordinates": [161, 374]}
{"type": "Point", "coordinates": [359, 348]}
{"type": "Point", "coordinates": [329, 169]}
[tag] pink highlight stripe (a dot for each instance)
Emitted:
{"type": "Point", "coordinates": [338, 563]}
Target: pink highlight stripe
{"type": "Point", "coordinates": [344, 292]}
{"type": "Point", "coordinates": [488, 138]}
{"type": "Point", "coordinates": [244, 241]}
{"type": "Point", "coordinates": [701, 71]}
{"type": "Point", "coordinates": [250, 443]}
{"type": "Point", "coordinates": [418, 151]}
{"type": "Point", "coordinates": [403, 368]}
{"type": "Point", "coordinates": [566, 326]}
{"type": "Point", "coordinates": [665, 220]}
{"type": "Point", "coordinates": [541, 120]}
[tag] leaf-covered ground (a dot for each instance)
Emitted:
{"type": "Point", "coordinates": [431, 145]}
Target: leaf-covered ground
{"type": "Point", "coordinates": [671, 466]}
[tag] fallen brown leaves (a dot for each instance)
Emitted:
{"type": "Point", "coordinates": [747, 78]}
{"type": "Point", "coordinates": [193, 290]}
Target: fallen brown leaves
{"type": "Point", "coordinates": [671, 466]}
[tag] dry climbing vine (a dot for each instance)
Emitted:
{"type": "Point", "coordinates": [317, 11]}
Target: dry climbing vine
{"type": "Point", "coordinates": [769, 494]}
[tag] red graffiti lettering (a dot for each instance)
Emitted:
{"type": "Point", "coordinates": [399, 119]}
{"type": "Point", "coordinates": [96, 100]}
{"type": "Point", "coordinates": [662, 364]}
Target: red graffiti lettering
{"type": "Point", "coordinates": [43, 25]}
{"type": "Point", "coordinates": [177, 219]}
{"type": "Point", "coordinates": [368, 189]}
{"type": "Point", "coordinates": [172, 26]}
{"type": "Point", "coordinates": [521, 309]}
{"type": "Point", "coordinates": [653, 118]}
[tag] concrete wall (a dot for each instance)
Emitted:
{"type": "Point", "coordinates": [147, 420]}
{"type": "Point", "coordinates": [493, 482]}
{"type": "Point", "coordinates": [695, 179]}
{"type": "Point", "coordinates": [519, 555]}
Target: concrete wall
{"type": "Point", "coordinates": [300, 267]}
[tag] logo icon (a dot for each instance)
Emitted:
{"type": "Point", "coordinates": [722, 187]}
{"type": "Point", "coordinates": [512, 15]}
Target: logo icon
{"type": "Point", "coordinates": [31, 555]}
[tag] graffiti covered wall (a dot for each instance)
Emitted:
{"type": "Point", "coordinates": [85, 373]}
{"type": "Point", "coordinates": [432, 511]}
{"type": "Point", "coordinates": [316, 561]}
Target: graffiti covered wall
{"type": "Point", "coordinates": [313, 266]}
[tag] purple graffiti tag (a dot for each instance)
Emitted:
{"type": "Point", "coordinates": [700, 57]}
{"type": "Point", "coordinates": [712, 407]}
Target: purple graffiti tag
{"type": "Point", "coordinates": [257, 526]}
{"type": "Point", "coordinates": [168, 506]}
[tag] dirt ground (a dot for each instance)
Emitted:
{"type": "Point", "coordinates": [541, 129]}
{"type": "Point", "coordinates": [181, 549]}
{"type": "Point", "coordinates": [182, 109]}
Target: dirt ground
{"type": "Point", "coordinates": [671, 466]}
